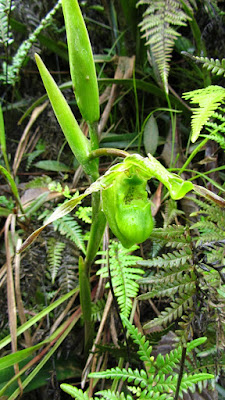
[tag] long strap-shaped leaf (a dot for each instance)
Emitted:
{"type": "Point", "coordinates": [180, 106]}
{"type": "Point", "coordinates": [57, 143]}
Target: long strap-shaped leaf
{"type": "Point", "coordinates": [82, 67]}
{"type": "Point", "coordinates": [79, 144]}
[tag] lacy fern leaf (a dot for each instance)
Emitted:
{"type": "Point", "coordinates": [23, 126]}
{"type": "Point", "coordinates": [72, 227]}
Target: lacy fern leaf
{"type": "Point", "coordinates": [163, 287]}
{"type": "Point", "coordinates": [55, 250]}
{"type": "Point", "coordinates": [136, 376]}
{"type": "Point", "coordinates": [160, 380]}
{"type": "Point", "coordinates": [84, 213]}
{"type": "Point", "coordinates": [97, 310]}
{"type": "Point", "coordinates": [216, 66]}
{"type": "Point", "coordinates": [208, 99]}
{"type": "Point", "coordinates": [68, 276]}
{"type": "Point", "coordinates": [145, 350]}
{"type": "Point", "coordinates": [124, 274]}
{"type": "Point", "coordinates": [217, 137]}
{"type": "Point", "coordinates": [68, 272]}
{"type": "Point", "coordinates": [175, 236]}
{"type": "Point", "coordinates": [158, 24]}
{"type": "Point", "coordinates": [177, 309]}
{"type": "Point", "coordinates": [70, 228]}
{"type": "Point", "coordinates": [175, 275]}
{"type": "Point", "coordinates": [216, 126]}
{"type": "Point", "coordinates": [77, 394]}
{"type": "Point", "coordinates": [5, 34]}
{"type": "Point", "coordinates": [169, 260]}
{"type": "Point", "coordinates": [19, 57]}
{"type": "Point", "coordinates": [109, 395]}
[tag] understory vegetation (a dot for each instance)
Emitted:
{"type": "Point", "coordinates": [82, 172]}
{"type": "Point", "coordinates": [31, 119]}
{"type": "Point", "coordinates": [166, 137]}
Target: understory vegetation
{"type": "Point", "coordinates": [112, 216]}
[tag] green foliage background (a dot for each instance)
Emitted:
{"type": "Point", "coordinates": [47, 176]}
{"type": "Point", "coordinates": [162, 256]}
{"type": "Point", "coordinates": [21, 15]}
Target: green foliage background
{"type": "Point", "coordinates": [174, 283]}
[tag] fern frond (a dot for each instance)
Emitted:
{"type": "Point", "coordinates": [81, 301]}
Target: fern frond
{"type": "Point", "coordinates": [212, 226]}
{"type": "Point", "coordinates": [124, 274]}
{"type": "Point", "coordinates": [159, 381]}
{"type": "Point", "coordinates": [158, 24]}
{"type": "Point", "coordinates": [182, 304]}
{"type": "Point", "coordinates": [97, 310]}
{"type": "Point", "coordinates": [39, 149]}
{"type": "Point", "coordinates": [208, 227]}
{"type": "Point", "coordinates": [216, 66]}
{"type": "Point", "coordinates": [145, 349]}
{"type": "Point", "coordinates": [5, 35]}
{"type": "Point", "coordinates": [173, 277]}
{"type": "Point", "coordinates": [209, 207]}
{"type": "Point", "coordinates": [208, 99]}
{"type": "Point", "coordinates": [215, 126]}
{"type": "Point", "coordinates": [184, 286]}
{"type": "Point", "coordinates": [68, 274]}
{"type": "Point", "coordinates": [169, 260]}
{"type": "Point", "coordinates": [109, 395]}
{"type": "Point", "coordinates": [154, 386]}
{"type": "Point", "coordinates": [209, 237]}
{"type": "Point", "coordinates": [219, 114]}
{"type": "Point", "coordinates": [84, 213]}
{"type": "Point", "coordinates": [54, 256]}
{"type": "Point", "coordinates": [175, 236]}
{"type": "Point", "coordinates": [217, 137]}
{"type": "Point", "coordinates": [136, 376]}
{"type": "Point", "coordinates": [31, 157]}
{"type": "Point", "coordinates": [77, 394]}
{"type": "Point", "coordinates": [190, 381]}
{"type": "Point", "coordinates": [70, 228]}
{"type": "Point", "coordinates": [19, 57]}
{"type": "Point", "coordinates": [155, 396]}
{"type": "Point", "coordinates": [166, 364]}
{"type": "Point", "coordinates": [171, 212]}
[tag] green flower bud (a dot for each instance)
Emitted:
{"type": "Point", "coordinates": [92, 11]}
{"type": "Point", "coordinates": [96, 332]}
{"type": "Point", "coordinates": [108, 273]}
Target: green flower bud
{"type": "Point", "coordinates": [127, 208]}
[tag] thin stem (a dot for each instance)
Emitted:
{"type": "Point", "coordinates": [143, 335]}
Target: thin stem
{"type": "Point", "coordinates": [85, 301]}
{"type": "Point", "coordinates": [173, 126]}
{"type": "Point", "coordinates": [96, 232]}
{"type": "Point", "coordinates": [193, 154]}
{"type": "Point", "coordinates": [184, 350]}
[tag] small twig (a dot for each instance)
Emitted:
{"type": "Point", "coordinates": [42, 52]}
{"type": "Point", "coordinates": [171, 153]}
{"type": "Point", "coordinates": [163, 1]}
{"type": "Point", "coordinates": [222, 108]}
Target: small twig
{"type": "Point", "coordinates": [184, 350]}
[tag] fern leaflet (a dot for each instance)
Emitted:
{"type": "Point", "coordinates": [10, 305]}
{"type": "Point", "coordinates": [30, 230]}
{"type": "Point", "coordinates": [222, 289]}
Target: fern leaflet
{"type": "Point", "coordinates": [169, 260]}
{"type": "Point", "coordinates": [69, 227]}
{"type": "Point", "coordinates": [144, 348]}
{"type": "Point", "coordinates": [108, 395]}
{"type": "Point", "coordinates": [184, 302]}
{"type": "Point", "coordinates": [5, 35]}
{"type": "Point", "coordinates": [154, 383]}
{"type": "Point", "coordinates": [84, 213]}
{"type": "Point", "coordinates": [19, 57]}
{"type": "Point", "coordinates": [78, 394]}
{"type": "Point", "coordinates": [157, 25]}
{"type": "Point", "coordinates": [176, 236]}
{"type": "Point", "coordinates": [216, 66]}
{"type": "Point", "coordinates": [97, 310]}
{"type": "Point", "coordinates": [55, 250]}
{"type": "Point", "coordinates": [68, 275]}
{"type": "Point", "coordinates": [208, 99]}
{"type": "Point", "coordinates": [124, 274]}
{"type": "Point", "coordinates": [158, 382]}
